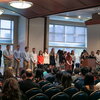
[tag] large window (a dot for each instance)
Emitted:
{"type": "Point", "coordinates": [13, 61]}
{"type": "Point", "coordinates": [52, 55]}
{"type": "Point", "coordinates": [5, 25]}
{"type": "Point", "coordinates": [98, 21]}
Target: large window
{"type": "Point", "coordinates": [6, 31]}
{"type": "Point", "coordinates": [67, 38]}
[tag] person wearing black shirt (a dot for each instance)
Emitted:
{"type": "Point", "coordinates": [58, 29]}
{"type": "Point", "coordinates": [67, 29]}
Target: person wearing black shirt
{"type": "Point", "coordinates": [0, 55]}
{"type": "Point", "coordinates": [28, 83]}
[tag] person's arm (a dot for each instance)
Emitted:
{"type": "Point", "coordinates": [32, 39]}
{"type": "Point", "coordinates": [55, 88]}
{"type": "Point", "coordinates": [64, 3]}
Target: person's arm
{"type": "Point", "coordinates": [0, 54]}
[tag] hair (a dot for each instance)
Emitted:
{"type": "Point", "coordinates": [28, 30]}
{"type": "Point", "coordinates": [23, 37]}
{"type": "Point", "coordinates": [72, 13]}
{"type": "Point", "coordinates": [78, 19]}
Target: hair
{"type": "Point", "coordinates": [10, 90]}
{"type": "Point", "coordinates": [59, 76]}
{"type": "Point", "coordinates": [7, 45]}
{"type": "Point", "coordinates": [39, 52]}
{"type": "Point", "coordinates": [39, 74]}
{"type": "Point", "coordinates": [8, 73]}
{"type": "Point", "coordinates": [26, 47]}
{"type": "Point", "coordinates": [84, 71]}
{"type": "Point", "coordinates": [66, 80]}
{"type": "Point", "coordinates": [52, 52]}
{"type": "Point", "coordinates": [29, 73]}
{"type": "Point", "coordinates": [76, 71]}
{"type": "Point", "coordinates": [89, 80]}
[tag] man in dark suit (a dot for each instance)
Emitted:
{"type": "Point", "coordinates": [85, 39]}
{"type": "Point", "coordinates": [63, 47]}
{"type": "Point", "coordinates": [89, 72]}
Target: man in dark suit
{"type": "Point", "coordinates": [0, 55]}
{"type": "Point", "coordinates": [28, 83]}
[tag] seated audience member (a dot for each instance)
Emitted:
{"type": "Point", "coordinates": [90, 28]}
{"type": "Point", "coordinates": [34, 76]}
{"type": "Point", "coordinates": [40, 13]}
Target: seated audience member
{"type": "Point", "coordinates": [10, 90]}
{"type": "Point", "coordinates": [28, 83]}
{"type": "Point", "coordinates": [88, 83]}
{"type": "Point", "coordinates": [8, 73]}
{"type": "Point", "coordinates": [58, 78]}
{"type": "Point", "coordinates": [79, 82]}
{"type": "Point", "coordinates": [49, 76]}
{"type": "Point", "coordinates": [96, 75]}
{"type": "Point", "coordinates": [49, 73]}
{"type": "Point", "coordinates": [97, 87]}
{"type": "Point", "coordinates": [66, 80]}
{"type": "Point", "coordinates": [76, 74]}
{"type": "Point", "coordinates": [39, 74]}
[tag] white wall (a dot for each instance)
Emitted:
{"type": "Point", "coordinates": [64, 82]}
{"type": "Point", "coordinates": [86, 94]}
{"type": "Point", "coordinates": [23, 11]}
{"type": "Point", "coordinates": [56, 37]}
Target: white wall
{"type": "Point", "coordinates": [93, 37]}
{"type": "Point", "coordinates": [22, 32]}
{"type": "Point", "coordinates": [36, 33]}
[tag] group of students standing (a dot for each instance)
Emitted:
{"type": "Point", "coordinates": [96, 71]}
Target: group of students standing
{"type": "Point", "coordinates": [32, 60]}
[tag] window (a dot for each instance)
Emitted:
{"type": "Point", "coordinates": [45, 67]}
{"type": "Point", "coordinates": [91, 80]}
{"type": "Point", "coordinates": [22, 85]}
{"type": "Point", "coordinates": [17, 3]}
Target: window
{"type": "Point", "coordinates": [67, 38]}
{"type": "Point", "coordinates": [6, 31]}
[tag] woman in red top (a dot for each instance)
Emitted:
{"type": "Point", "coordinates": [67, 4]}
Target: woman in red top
{"type": "Point", "coordinates": [68, 62]}
{"type": "Point", "coordinates": [40, 59]}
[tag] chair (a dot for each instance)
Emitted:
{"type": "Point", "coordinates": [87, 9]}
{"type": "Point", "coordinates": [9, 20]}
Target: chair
{"type": "Point", "coordinates": [60, 87]}
{"type": "Point", "coordinates": [32, 92]}
{"type": "Point", "coordinates": [52, 91]}
{"type": "Point", "coordinates": [60, 96]}
{"type": "Point", "coordinates": [95, 95]}
{"type": "Point", "coordinates": [39, 96]}
{"type": "Point", "coordinates": [41, 83]}
{"type": "Point", "coordinates": [80, 96]}
{"type": "Point", "coordinates": [71, 91]}
{"type": "Point", "coordinates": [46, 86]}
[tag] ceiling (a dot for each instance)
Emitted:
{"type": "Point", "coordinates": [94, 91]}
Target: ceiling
{"type": "Point", "coordinates": [43, 8]}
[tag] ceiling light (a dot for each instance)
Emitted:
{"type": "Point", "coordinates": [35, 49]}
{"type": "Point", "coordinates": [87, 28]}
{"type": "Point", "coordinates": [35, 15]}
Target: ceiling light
{"type": "Point", "coordinates": [98, 13]}
{"type": "Point", "coordinates": [66, 17]}
{"type": "Point", "coordinates": [21, 4]}
{"type": "Point", "coordinates": [79, 16]}
{"type": "Point", "coordinates": [1, 11]}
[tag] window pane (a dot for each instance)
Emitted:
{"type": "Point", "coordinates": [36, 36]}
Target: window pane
{"type": "Point", "coordinates": [5, 24]}
{"type": "Point", "coordinates": [51, 37]}
{"type": "Point", "coordinates": [69, 29]}
{"type": "Point", "coordinates": [51, 28]}
{"type": "Point", "coordinates": [59, 38]}
{"type": "Point", "coordinates": [59, 29]}
{"type": "Point", "coordinates": [80, 39]}
{"type": "Point", "coordinates": [5, 34]}
{"type": "Point", "coordinates": [80, 30]}
{"type": "Point", "coordinates": [70, 38]}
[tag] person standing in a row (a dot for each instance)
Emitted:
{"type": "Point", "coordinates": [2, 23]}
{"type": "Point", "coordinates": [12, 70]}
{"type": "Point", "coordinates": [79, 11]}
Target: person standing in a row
{"type": "Point", "coordinates": [17, 59]}
{"type": "Point", "coordinates": [33, 57]}
{"type": "Point", "coordinates": [8, 57]}
{"type": "Point", "coordinates": [40, 59]}
{"type": "Point", "coordinates": [52, 58]}
{"type": "Point", "coordinates": [26, 58]}
{"type": "Point", "coordinates": [46, 58]}
{"type": "Point", "coordinates": [0, 55]}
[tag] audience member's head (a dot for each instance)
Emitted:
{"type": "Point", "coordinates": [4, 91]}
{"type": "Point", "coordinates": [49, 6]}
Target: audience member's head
{"type": "Point", "coordinates": [10, 90]}
{"type": "Point", "coordinates": [58, 76]}
{"type": "Point", "coordinates": [39, 74]}
{"type": "Point", "coordinates": [8, 73]}
{"type": "Point", "coordinates": [89, 79]}
{"type": "Point", "coordinates": [29, 74]}
{"type": "Point", "coordinates": [84, 71]}
{"type": "Point", "coordinates": [66, 80]}
{"type": "Point", "coordinates": [76, 71]}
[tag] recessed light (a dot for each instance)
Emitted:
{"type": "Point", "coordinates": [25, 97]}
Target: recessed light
{"type": "Point", "coordinates": [79, 16]}
{"type": "Point", "coordinates": [66, 17]}
{"type": "Point", "coordinates": [98, 13]}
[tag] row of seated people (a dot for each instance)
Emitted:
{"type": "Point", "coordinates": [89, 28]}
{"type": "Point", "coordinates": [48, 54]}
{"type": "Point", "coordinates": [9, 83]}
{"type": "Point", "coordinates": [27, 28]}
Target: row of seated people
{"type": "Point", "coordinates": [50, 84]}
